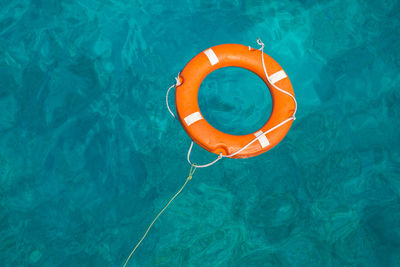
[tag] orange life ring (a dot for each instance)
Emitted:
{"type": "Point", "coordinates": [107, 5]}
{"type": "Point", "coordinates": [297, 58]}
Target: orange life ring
{"type": "Point", "coordinates": [207, 136]}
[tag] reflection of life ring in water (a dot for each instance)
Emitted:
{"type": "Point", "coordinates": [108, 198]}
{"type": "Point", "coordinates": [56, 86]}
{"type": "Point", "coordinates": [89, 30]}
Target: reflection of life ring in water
{"type": "Point", "coordinates": [235, 146]}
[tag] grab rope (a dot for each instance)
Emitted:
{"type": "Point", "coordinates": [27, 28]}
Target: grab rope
{"type": "Point", "coordinates": [166, 101]}
{"type": "Point", "coordinates": [259, 42]}
{"type": "Point", "coordinates": [178, 82]}
{"type": "Point", "coordinates": [220, 156]}
{"type": "Point", "coordinates": [191, 172]}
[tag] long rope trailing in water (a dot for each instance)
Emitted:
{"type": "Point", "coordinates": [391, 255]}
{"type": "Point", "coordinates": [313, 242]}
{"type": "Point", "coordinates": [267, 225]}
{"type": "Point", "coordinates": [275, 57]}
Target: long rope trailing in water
{"type": "Point", "coordinates": [191, 172]}
{"type": "Point", "coordinates": [195, 166]}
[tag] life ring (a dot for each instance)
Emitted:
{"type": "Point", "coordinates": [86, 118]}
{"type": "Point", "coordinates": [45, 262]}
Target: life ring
{"type": "Point", "coordinates": [221, 143]}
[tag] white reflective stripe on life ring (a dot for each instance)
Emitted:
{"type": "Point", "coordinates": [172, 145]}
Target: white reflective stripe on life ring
{"type": "Point", "coordinates": [277, 76]}
{"type": "Point", "coordinates": [211, 56]}
{"type": "Point", "coordinates": [192, 118]}
{"type": "Point", "coordinates": [264, 142]}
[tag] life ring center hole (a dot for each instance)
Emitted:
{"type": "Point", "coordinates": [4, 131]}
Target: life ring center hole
{"type": "Point", "coordinates": [235, 100]}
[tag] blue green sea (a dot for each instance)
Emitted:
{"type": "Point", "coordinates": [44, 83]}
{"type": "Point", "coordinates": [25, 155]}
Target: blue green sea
{"type": "Point", "coordinates": [89, 153]}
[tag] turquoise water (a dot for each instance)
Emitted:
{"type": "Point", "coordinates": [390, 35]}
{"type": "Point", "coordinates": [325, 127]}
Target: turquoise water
{"type": "Point", "coordinates": [235, 100]}
{"type": "Point", "coordinates": [89, 153]}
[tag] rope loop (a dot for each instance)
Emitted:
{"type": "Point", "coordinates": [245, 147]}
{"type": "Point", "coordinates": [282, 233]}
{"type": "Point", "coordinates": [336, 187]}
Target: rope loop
{"type": "Point", "coordinates": [220, 156]}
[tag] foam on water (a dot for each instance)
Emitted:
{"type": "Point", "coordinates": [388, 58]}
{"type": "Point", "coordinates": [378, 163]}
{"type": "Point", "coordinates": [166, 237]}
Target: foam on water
{"type": "Point", "coordinates": [89, 153]}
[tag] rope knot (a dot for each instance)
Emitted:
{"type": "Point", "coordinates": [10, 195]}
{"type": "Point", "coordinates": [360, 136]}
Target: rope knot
{"type": "Point", "coordinates": [193, 168]}
{"type": "Point", "coordinates": [178, 80]}
{"type": "Point", "coordinates": [259, 42]}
